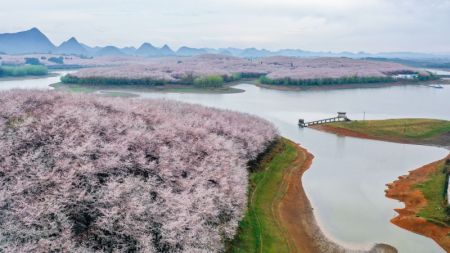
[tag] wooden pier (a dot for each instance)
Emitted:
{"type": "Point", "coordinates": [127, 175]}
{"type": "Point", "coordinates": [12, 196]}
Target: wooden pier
{"type": "Point", "coordinates": [342, 116]}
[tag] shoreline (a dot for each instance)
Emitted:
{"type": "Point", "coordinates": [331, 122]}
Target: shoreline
{"type": "Point", "coordinates": [286, 213]}
{"type": "Point", "coordinates": [441, 143]}
{"type": "Point", "coordinates": [128, 89]}
{"type": "Point", "coordinates": [347, 86]}
{"type": "Point", "coordinates": [297, 215]}
{"type": "Point", "coordinates": [29, 77]}
{"type": "Point", "coordinates": [404, 190]}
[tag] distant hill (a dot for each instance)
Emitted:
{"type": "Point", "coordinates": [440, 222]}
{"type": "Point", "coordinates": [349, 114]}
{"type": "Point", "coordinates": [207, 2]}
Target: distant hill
{"type": "Point", "coordinates": [109, 51]}
{"type": "Point", "coordinates": [189, 51]}
{"type": "Point", "coordinates": [129, 50]}
{"type": "Point", "coordinates": [34, 41]}
{"type": "Point", "coordinates": [31, 41]}
{"type": "Point", "coordinates": [166, 51]}
{"type": "Point", "coordinates": [72, 46]}
{"type": "Point", "coordinates": [147, 49]}
{"type": "Point", "coordinates": [255, 53]}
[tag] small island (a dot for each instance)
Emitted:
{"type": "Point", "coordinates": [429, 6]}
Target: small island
{"type": "Point", "coordinates": [424, 190]}
{"type": "Point", "coordinates": [215, 71]}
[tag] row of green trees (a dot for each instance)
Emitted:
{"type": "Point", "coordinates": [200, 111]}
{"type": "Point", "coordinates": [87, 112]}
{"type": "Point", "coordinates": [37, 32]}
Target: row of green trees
{"type": "Point", "coordinates": [429, 77]}
{"type": "Point", "coordinates": [70, 79]}
{"type": "Point", "coordinates": [24, 70]}
{"type": "Point", "coordinates": [208, 81]}
{"type": "Point", "coordinates": [343, 80]}
{"type": "Point", "coordinates": [324, 81]}
{"type": "Point", "coordinates": [199, 81]}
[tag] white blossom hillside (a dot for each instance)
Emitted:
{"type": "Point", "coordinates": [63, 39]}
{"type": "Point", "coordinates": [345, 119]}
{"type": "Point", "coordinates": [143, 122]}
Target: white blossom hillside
{"type": "Point", "coordinates": [90, 174]}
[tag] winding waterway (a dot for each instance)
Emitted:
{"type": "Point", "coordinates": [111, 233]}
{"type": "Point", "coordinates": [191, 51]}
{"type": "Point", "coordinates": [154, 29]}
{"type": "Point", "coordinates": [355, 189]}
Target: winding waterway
{"type": "Point", "coordinates": [347, 180]}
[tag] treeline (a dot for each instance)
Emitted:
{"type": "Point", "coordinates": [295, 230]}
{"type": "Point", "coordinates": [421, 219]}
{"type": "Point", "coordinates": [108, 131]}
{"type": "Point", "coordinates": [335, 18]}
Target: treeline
{"type": "Point", "coordinates": [210, 81]}
{"type": "Point", "coordinates": [325, 81]}
{"type": "Point", "coordinates": [429, 77]}
{"type": "Point", "coordinates": [24, 70]}
{"type": "Point", "coordinates": [342, 80]}
{"type": "Point", "coordinates": [70, 79]}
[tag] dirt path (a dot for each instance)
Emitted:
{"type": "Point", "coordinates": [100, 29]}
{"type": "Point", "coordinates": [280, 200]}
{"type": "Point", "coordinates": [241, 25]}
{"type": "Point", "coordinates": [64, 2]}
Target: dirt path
{"type": "Point", "coordinates": [296, 214]}
{"type": "Point", "coordinates": [404, 191]}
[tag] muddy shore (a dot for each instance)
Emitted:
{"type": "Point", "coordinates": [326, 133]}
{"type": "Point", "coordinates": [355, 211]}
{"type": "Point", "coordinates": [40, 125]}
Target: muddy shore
{"type": "Point", "coordinates": [441, 141]}
{"type": "Point", "coordinates": [296, 214]}
{"type": "Point", "coordinates": [404, 189]}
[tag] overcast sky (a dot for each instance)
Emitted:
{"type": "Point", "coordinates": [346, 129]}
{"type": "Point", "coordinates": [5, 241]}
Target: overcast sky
{"type": "Point", "coordinates": [341, 25]}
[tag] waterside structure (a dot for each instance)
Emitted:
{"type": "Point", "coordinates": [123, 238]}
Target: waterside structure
{"type": "Point", "coordinates": [342, 116]}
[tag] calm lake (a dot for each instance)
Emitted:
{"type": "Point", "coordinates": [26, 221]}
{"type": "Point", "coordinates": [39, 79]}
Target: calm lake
{"type": "Point", "coordinates": [347, 180]}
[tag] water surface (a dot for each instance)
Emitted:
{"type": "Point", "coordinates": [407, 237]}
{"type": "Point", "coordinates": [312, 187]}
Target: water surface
{"type": "Point", "coordinates": [41, 83]}
{"type": "Point", "coordinates": [347, 180]}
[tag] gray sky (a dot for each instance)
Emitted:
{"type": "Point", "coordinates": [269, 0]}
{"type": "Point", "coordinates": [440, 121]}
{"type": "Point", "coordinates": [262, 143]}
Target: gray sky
{"type": "Point", "coordinates": [344, 25]}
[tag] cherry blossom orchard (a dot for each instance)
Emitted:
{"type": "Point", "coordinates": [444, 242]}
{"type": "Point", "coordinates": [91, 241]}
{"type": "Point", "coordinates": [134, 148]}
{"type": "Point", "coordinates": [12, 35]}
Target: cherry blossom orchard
{"type": "Point", "coordinates": [82, 173]}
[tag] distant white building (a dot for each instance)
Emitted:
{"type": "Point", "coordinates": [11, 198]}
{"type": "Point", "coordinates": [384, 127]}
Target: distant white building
{"type": "Point", "coordinates": [448, 191]}
{"type": "Point", "coordinates": [406, 76]}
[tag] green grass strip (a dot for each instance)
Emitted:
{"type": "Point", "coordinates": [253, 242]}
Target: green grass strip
{"type": "Point", "coordinates": [434, 191]}
{"type": "Point", "coordinates": [407, 129]}
{"type": "Point", "coordinates": [259, 230]}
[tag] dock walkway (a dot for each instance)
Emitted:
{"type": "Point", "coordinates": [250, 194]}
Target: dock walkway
{"type": "Point", "coordinates": [341, 117]}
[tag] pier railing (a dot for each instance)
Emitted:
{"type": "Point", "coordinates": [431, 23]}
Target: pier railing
{"type": "Point", "coordinates": [341, 117]}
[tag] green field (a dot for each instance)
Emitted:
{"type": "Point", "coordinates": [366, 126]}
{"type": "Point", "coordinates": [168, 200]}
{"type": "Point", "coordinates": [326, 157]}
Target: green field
{"type": "Point", "coordinates": [401, 129]}
{"type": "Point", "coordinates": [434, 189]}
{"type": "Point", "coordinates": [260, 231]}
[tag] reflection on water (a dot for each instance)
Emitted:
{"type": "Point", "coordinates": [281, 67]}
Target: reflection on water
{"type": "Point", "coordinates": [347, 180]}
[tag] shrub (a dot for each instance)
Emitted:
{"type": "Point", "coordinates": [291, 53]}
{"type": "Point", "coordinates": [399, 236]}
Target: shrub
{"type": "Point", "coordinates": [208, 81]}
{"type": "Point", "coordinates": [58, 60]}
{"type": "Point", "coordinates": [84, 173]}
{"type": "Point", "coordinates": [427, 77]}
{"type": "Point", "coordinates": [32, 61]}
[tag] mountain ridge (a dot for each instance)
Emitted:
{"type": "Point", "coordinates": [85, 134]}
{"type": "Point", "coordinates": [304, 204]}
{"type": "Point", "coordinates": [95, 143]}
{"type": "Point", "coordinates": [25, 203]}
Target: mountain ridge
{"type": "Point", "coordinates": [34, 41]}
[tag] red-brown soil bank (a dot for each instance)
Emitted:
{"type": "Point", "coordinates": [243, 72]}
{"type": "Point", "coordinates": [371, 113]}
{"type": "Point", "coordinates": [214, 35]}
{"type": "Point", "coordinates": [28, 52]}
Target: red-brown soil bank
{"type": "Point", "coordinates": [405, 191]}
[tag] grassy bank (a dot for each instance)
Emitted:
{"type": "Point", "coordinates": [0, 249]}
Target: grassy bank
{"type": "Point", "coordinates": [434, 190]}
{"type": "Point", "coordinates": [260, 231]}
{"type": "Point", "coordinates": [423, 193]}
{"type": "Point", "coordinates": [24, 70]}
{"type": "Point", "coordinates": [420, 131]}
